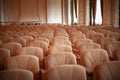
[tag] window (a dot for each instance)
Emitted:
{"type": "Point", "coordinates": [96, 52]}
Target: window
{"type": "Point", "coordinates": [98, 17]}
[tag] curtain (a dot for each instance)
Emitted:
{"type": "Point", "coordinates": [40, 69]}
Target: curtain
{"type": "Point", "coordinates": [82, 12]}
{"type": "Point", "coordinates": [65, 11]}
{"type": "Point", "coordinates": [54, 11]}
{"type": "Point", "coordinates": [102, 9]}
{"type": "Point", "coordinates": [94, 10]}
{"type": "Point", "coordinates": [42, 10]}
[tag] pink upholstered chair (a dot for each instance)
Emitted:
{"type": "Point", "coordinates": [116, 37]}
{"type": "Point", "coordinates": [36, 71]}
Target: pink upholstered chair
{"type": "Point", "coordinates": [1, 42]}
{"type": "Point", "coordinates": [59, 48]}
{"type": "Point", "coordinates": [13, 47]}
{"type": "Point", "coordinates": [5, 39]}
{"type": "Point", "coordinates": [112, 48]}
{"type": "Point", "coordinates": [27, 62]}
{"type": "Point", "coordinates": [36, 51]}
{"type": "Point", "coordinates": [16, 74]}
{"type": "Point", "coordinates": [40, 44]}
{"type": "Point", "coordinates": [20, 41]}
{"type": "Point", "coordinates": [27, 38]}
{"type": "Point", "coordinates": [61, 42]}
{"type": "Point", "coordinates": [84, 47]}
{"type": "Point", "coordinates": [93, 57]}
{"type": "Point", "coordinates": [82, 41]}
{"type": "Point", "coordinates": [54, 60]}
{"type": "Point", "coordinates": [4, 56]}
{"type": "Point", "coordinates": [65, 72]}
{"type": "Point", "coordinates": [107, 71]}
{"type": "Point", "coordinates": [117, 55]}
{"type": "Point", "coordinates": [42, 39]}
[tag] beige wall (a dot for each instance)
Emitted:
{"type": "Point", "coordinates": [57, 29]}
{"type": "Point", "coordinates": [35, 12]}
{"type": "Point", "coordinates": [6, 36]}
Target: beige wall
{"type": "Point", "coordinates": [28, 10]}
{"type": "Point", "coordinates": [14, 10]}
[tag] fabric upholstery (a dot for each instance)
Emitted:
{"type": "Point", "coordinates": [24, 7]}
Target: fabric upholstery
{"type": "Point", "coordinates": [17, 74]}
{"type": "Point", "coordinates": [59, 48]}
{"type": "Point", "coordinates": [27, 62]}
{"type": "Point", "coordinates": [4, 56]}
{"type": "Point", "coordinates": [40, 44]}
{"type": "Point", "coordinates": [65, 72]}
{"type": "Point", "coordinates": [13, 47]}
{"type": "Point", "coordinates": [93, 57]}
{"type": "Point", "coordinates": [19, 40]}
{"type": "Point", "coordinates": [84, 47]}
{"type": "Point", "coordinates": [32, 51]}
{"type": "Point", "coordinates": [107, 71]}
{"type": "Point", "coordinates": [59, 59]}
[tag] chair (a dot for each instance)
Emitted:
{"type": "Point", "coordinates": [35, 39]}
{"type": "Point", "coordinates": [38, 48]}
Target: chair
{"type": "Point", "coordinates": [96, 37]}
{"type": "Point", "coordinates": [16, 74]}
{"type": "Point", "coordinates": [4, 56]}
{"type": "Point", "coordinates": [83, 47]}
{"type": "Point", "coordinates": [77, 38]}
{"type": "Point", "coordinates": [20, 41]}
{"type": "Point", "coordinates": [42, 39]}
{"type": "Point", "coordinates": [59, 48]}
{"type": "Point", "coordinates": [82, 41]}
{"type": "Point", "coordinates": [61, 37]}
{"type": "Point", "coordinates": [61, 42]}
{"type": "Point", "coordinates": [59, 59]}
{"type": "Point", "coordinates": [32, 51]}
{"type": "Point", "coordinates": [65, 72]}
{"type": "Point", "coordinates": [27, 38]}
{"type": "Point", "coordinates": [112, 47]}
{"type": "Point", "coordinates": [1, 42]}
{"type": "Point", "coordinates": [40, 44]}
{"type": "Point", "coordinates": [27, 62]}
{"type": "Point", "coordinates": [107, 71]}
{"type": "Point", "coordinates": [13, 47]}
{"type": "Point", "coordinates": [93, 57]}
{"type": "Point", "coordinates": [104, 40]}
{"type": "Point", "coordinates": [5, 39]}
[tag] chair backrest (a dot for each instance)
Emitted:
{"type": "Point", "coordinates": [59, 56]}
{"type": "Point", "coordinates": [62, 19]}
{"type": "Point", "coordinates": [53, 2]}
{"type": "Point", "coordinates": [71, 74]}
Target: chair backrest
{"type": "Point", "coordinates": [4, 56]}
{"type": "Point", "coordinates": [1, 42]}
{"type": "Point", "coordinates": [19, 40]}
{"type": "Point", "coordinates": [82, 41]}
{"type": "Point", "coordinates": [82, 48]}
{"type": "Point", "coordinates": [59, 59]}
{"type": "Point", "coordinates": [61, 37]}
{"type": "Point", "coordinates": [5, 39]}
{"type": "Point", "coordinates": [112, 47]}
{"type": "Point", "coordinates": [65, 72]}
{"type": "Point", "coordinates": [17, 74]}
{"type": "Point", "coordinates": [107, 71]}
{"type": "Point", "coordinates": [27, 62]}
{"type": "Point", "coordinates": [117, 55]}
{"type": "Point", "coordinates": [42, 39]}
{"type": "Point", "coordinates": [36, 51]}
{"type": "Point", "coordinates": [40, 44]}
{"type": "Point", "coordinates": [27, 38]}
{"type": "Point", "coordinates": [13, 47]}
{"type": "Point", "coordinates": [59, 48]}
{"type": "Point", "coordinates": [61, 42]}
{"type": "Point", "coordinates": [93, 57]}
{"type": "Point", "coordinates": [102, 41]}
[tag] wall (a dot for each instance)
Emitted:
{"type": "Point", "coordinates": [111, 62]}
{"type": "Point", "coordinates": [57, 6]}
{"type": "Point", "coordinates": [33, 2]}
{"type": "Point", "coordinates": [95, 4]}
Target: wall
{"type": "Point", "coordinates": [26, 10]}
